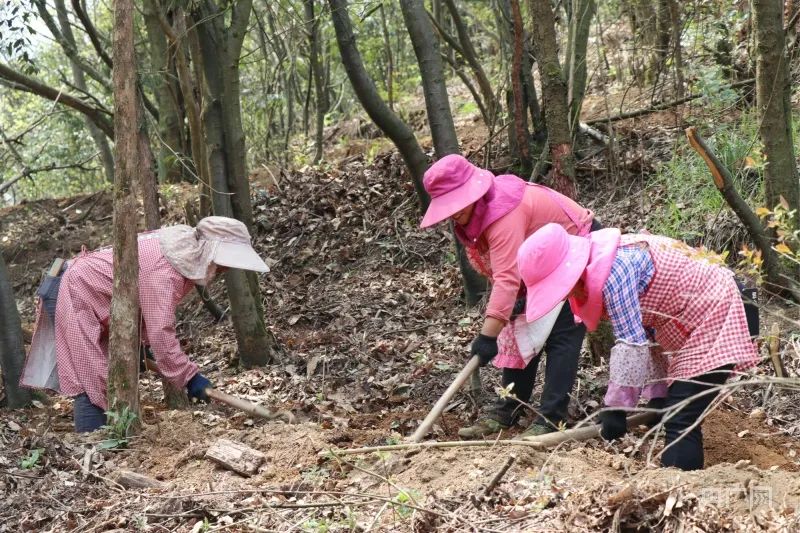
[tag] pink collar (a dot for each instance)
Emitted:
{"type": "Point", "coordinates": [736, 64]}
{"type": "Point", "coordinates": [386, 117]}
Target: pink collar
{"type": "Point", "coordinates": [601, 257]}
{"type": "Point", "coordinates": [504, 195]}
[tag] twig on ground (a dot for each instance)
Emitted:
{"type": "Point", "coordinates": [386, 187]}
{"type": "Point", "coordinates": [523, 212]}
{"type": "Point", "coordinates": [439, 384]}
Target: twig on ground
{"type": "Point", "coordinates": [496, 479]}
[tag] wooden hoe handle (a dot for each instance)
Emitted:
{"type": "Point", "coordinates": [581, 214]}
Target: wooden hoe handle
{"type": "Point", "coordinates": [436, 412]}
{"type": "Point", "coordinates": [248, 407]}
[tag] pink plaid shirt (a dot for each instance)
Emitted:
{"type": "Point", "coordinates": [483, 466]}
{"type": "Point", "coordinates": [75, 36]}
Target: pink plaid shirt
{"type": "Point", "coordinates": [698, 317]}
{"type": "Point", "coordinates": [83, 313]}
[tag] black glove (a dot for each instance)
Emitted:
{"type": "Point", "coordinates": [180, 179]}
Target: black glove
{"type": "Point", "coordinates": [614, 424]}
{"type": "Point", "coordinates": [485, 348]}
{"type": "Point", "coordinates": [196, 388]}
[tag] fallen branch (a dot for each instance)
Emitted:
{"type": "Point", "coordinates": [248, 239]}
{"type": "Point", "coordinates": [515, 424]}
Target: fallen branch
{"type": "Point", "coordinates": [540, 442]}
{"type": "Point", "coordinates": [724, 183]}
{"type": "Point", "coordinates": [663, 106]}
{"type": "Point", "coordinates": [496, 479]}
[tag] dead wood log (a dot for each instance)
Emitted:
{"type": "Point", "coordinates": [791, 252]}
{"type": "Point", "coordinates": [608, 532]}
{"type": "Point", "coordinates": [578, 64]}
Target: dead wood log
{"type": "Point", "coordinates": [236, 456]}
{"type": "Point", "coordinates": [135, 480]}
{"type": "Point", "coordinates": [724, 183]}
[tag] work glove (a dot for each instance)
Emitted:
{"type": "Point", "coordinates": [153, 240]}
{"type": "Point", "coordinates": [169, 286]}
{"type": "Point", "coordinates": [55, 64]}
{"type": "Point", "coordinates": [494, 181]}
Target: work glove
{"type": "Point", "coordinates": [485, 348]}
{"type": "Point", "coordinates": [196, 387]}
{"type": "Point", "coordinates": [614, 424]}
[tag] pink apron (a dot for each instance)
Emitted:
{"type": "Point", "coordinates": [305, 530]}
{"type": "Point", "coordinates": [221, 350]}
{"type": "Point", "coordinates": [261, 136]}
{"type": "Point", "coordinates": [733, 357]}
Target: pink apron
{"type": "Point", "coordinates": [695, 309]}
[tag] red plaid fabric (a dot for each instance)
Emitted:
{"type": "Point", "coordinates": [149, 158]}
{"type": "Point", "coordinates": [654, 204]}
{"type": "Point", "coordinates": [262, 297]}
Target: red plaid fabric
{"type": "Point", "coordinates": [83, 313]}
{"type": "Point", "coordinates": [696, 310]}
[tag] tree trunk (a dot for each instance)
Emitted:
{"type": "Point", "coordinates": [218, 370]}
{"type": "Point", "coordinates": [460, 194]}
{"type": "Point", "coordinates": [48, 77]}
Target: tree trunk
{"type": "Point", "coordinates": [192, 103]}
{"type": "Point", "coordinates": [582, 13]}
{"type": "Point", "coordinates": [79, 79]}
{"type": "Point", "coordinates": [389, 59]}
{"type": "Point", "coordinates": [491, 102]}
{"type": "Point", "coordinates": [554, 96]}
{"type": "Point", "coordinates": [367, 93]}
{"type": "Point", "coordinates": [505, 22]}
{"type": "Point", "coordinates": [677, 53]}
{"type": "Point", "coordinates": [773, 91]}
{"type": "Point", "coordinates": [225, 147]}
{"type": "Point", "coordinates": [519, 117]}
{"type": "Point", "coordinates": [12, 351]}
{"type": "Point", "coordinates": [21, 82]}
{"type": "Point", "coordinates": [658, 58]}
{"type": "Point", "coordinates": [201, 95]}
{"type": "Point", "coordinates": [170, 117]}
{"type": "Point", "coordinates": [320, 94]}
{"type": "Point", "coordinates": [147, 177]}
{"type": "Point", "coordinates": [123, 344]}
{"type": "Point", "coordinates": [437, 104]}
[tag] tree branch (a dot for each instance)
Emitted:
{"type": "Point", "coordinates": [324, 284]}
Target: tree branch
{"type": "Point", "coordinates": [724, 183]}
{"type": "Point", "coordinates": [69, 47]}
{"type": "Point", "coordinates": [91, 31]}
{"type": "Point", "coordinates": [449, 39]}
{"type": "Point", "coordinates": [663, 106]}
{"type": "Point", "coordinates": [99, 116]}
{"type": "Point", "coordinates": [28, 172]}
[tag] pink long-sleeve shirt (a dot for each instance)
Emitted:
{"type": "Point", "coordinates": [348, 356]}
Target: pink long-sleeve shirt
{"type": "Point", "coordinates": [83, 313]}
{"type": "Point", "coordinates": [501, 240]}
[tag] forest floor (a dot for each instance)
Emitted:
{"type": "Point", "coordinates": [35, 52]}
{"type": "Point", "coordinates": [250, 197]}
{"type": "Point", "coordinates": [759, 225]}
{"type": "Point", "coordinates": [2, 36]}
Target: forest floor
{"type": "Point", "coordinates": [367, 307]}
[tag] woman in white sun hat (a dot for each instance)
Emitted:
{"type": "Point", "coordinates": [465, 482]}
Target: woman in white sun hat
{"type": "Point", "coordinates": [652, 289]}
{"type": "Point", "coordinates": [172, 261]}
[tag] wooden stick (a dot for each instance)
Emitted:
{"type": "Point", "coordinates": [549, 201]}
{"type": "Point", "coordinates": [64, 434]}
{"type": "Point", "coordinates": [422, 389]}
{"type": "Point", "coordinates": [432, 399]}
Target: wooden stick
{"type": "Point", "coordinates": [724, 183]}
{"type": "Point", "coordinates": [462, 376]}
{"type": "Point", "coordinates": [233, 401]}
{"type": "Point", "coordinates": [774, 345]}
{"type": "Point", "coordinates": [541, 442]}
{"type": "Point", "coordinates": [248, 407]}
{"type": "Point", "coordinates": [584, 433]}
{"type": "Point", "coordinates": [496, 479]}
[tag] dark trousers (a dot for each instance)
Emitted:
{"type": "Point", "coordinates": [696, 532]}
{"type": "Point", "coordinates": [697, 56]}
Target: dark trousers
{"type": "Point", "coordinates": [685, 450]}
{"type": "Point", "coordinates": [563, 348]}
{"type": "Point", "coordinates": [87, 416]}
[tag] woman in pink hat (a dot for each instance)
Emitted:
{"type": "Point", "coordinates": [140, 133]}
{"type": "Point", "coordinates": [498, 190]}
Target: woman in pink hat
{"type": "Point", "coordinates": [493, 215]}
{"type": "Point", "coordinates": [651, 288]}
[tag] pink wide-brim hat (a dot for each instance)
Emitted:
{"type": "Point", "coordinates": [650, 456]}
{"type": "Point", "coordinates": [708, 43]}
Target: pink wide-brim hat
{"type": "Point", "coordinates": [550, 262]}
{"type": "Point", "coordinates": [605, 243]}
{"type": "Point", "coordinates": [453, 183]}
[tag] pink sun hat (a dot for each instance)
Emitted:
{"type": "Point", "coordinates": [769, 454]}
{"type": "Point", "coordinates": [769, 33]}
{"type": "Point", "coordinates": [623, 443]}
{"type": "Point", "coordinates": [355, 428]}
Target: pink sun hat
{"type": "Point", "coordinates": [550, 263]}
{"type": "Point", "coordinates": [453, 183]}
